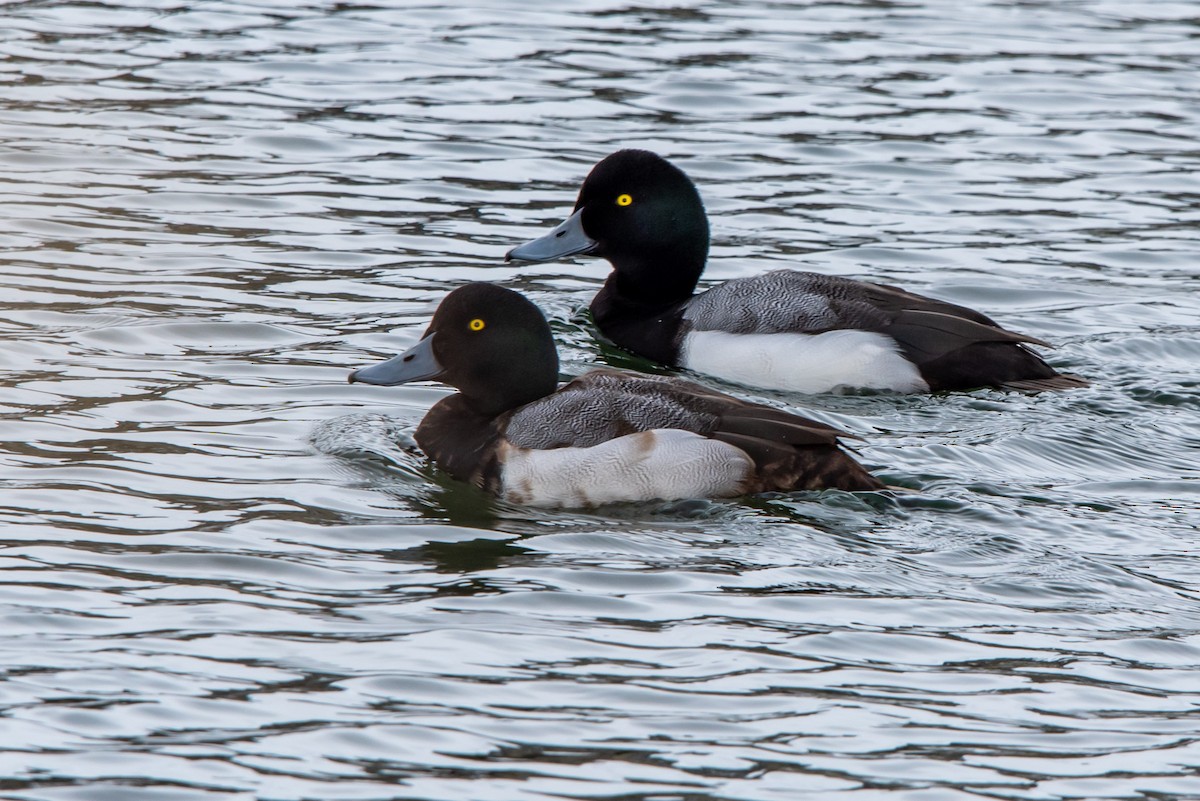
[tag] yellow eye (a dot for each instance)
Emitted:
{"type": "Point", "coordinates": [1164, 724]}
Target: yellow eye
{"type": "Point", "coordinates": [624, 200]}
{"type": "Point", "coordinates": [476, 324]}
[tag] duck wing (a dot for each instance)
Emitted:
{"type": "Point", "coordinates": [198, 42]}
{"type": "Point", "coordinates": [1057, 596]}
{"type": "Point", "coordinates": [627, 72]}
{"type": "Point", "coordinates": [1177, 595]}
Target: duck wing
{"type": "Point", "coordinates": [794, 302]}
{"type": "Point", "coordinates": [606, 404]}
{"type": "Point", "coordinates": [959, 348]}
{"type": "Point", "coordinates": [784, 302]}
{"type": "Point", "coordinates": [953, 346]}
{"type": "Point", "coordinates": [789, 451]}
{"type": "Point", "coordinates": [928, 329]}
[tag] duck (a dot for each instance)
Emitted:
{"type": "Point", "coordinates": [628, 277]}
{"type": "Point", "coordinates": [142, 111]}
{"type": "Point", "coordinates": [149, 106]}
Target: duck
{"type": "Point", "coordinates": [784, 330]}
{"type": "Point", "coordinates": [606, 436]}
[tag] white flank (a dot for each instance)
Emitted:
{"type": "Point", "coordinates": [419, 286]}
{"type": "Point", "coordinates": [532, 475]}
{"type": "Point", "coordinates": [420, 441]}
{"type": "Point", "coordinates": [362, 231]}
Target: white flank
{"type": "Point", "coordinates": [811, 363]}
{"type": "Point", "coordinates": [663, 464]}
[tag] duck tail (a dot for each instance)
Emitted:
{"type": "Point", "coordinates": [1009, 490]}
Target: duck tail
{"type": "Point", "coordinates": [1055, 382]}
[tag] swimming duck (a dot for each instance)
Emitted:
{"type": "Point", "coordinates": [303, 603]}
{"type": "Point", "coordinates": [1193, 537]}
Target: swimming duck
{"type": "Point", "coordinates": [786, 329]}
{"type": "Point", "coordinates": [605, 436]}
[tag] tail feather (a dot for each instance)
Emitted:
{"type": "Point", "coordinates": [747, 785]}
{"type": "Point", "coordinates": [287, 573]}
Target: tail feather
{"type": "Point", "coordinates": [784, 467]}
{"type": "Point", "coordinates": [1055, 382]}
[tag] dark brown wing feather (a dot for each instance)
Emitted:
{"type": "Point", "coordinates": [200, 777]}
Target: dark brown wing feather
{"type": "Point", "coordinates": [754, 420]}
{"type": "Point", "coordinates": [791, 452]}
{"type": "Point", "coordinates": [1055, 382]}
{"type": "Point", "coordinates": [929, 335]}
{"type": "Point", "coordinates": [893, 299]}
{"type": "Point", "coordinates": [958, 348]}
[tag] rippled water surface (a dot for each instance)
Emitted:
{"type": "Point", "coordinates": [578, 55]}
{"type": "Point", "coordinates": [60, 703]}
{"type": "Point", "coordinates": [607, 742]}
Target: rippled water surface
{"type": "Point", "coordinates": [212, 210]}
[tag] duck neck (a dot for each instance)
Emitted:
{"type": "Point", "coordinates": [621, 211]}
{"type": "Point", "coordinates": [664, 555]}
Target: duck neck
{"type": "Point", "coordinates": [648, 329]}
{"type": "Point", "coordinates": [659, 278]}
{"type": "Point", "coordinates": [495, 386]}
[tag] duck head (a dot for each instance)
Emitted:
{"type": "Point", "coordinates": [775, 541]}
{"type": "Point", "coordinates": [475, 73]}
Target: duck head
{"type": "Point", "coordinates": [642, 214]}
{"type": "Point", "coordinates": [490, 343]}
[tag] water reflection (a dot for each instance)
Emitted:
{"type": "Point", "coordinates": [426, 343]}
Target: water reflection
{"type": "Point", "coordinates": [213, 212]}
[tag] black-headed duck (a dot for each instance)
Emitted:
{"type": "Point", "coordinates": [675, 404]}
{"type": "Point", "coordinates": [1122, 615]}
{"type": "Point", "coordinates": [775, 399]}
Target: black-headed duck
{"type": "Point", "coordinates": [785, 329]}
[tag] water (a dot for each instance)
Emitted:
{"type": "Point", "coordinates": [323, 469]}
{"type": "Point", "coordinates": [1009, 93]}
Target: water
{"type": "Point", "coordinates": [212, 211]}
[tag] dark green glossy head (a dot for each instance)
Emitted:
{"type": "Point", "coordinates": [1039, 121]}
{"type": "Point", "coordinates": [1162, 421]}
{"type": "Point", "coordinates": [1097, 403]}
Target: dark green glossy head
{"type": "Point", "coordinates": [488, 342]}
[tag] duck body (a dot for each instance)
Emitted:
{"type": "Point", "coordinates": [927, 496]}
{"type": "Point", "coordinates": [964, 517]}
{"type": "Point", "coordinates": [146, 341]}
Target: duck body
{"type": "Point", "coordinates": [604, 437]}
{"type": "Point", "coordinates": [786, 329]}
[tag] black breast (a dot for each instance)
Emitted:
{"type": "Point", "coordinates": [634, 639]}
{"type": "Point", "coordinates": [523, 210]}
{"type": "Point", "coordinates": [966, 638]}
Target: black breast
{"type": "Point", "coordinates": [649, 331]}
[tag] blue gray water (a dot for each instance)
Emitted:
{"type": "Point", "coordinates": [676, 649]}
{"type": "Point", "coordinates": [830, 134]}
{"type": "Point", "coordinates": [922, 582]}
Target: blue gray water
{"type": "Point", "coordinates": [213, 210]}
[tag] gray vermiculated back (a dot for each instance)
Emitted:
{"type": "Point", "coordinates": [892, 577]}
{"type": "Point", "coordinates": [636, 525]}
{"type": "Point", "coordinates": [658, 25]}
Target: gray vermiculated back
{"type": "Point", "coordinates": [782, 301]}
{"type": "Point", "coordinates": [600, 406]}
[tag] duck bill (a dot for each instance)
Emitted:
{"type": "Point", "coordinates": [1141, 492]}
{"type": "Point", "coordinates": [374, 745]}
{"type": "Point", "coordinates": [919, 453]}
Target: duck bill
{"type": "Point", "coordinates": [568, 239]}
{"type": "Point", "coordinates": [416, 364]}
